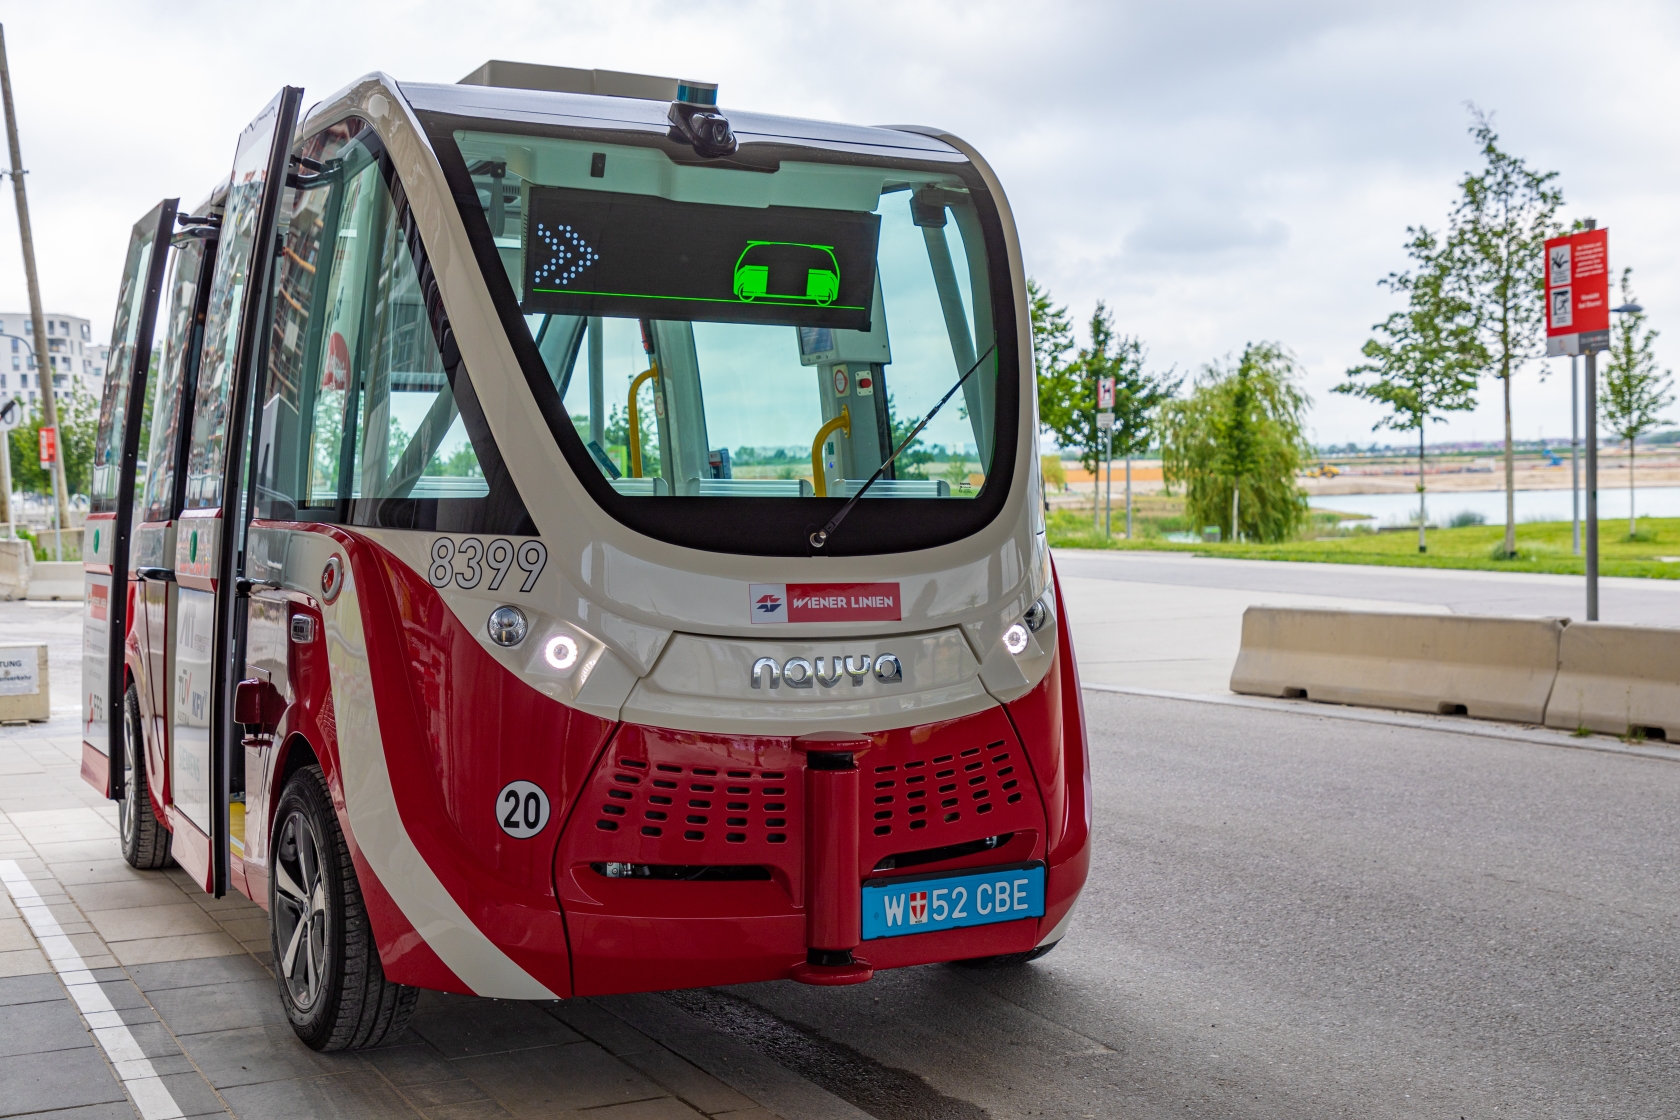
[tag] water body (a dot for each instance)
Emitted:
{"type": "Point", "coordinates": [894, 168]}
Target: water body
{"type": "Point", "coordinates": [1532, 505]}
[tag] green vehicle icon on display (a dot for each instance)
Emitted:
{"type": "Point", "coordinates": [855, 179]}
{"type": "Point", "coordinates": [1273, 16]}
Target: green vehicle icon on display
{"type": "Point", "coordinates": [787, 272]}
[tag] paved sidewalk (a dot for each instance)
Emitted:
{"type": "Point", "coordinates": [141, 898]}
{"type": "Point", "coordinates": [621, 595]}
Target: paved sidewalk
{"type": "Point", "coordinates": [1171, 622]}
{"type": "Point", "coordinates": [122, 988]}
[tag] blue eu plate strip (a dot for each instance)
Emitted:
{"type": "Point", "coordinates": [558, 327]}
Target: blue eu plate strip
{"type": "Point", "coordinates": [895, 907]}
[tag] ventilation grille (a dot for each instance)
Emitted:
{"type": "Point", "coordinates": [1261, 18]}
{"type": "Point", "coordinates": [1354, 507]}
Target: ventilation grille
{"type": "Point", "coordinates": [662, 797]}
{"type": "Point", "coordinates": [736, 804]}
{"type": "Point", "coordinates": [945, 790]}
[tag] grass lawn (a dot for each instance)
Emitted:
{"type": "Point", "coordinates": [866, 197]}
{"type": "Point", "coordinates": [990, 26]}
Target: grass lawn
{"type": "Point", "coordinates": [1542, 546]}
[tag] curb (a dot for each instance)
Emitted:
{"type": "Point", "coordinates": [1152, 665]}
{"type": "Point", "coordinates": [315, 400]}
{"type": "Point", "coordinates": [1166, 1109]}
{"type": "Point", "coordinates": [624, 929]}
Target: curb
{"type": "Point", "coordinates": [1455, 725]}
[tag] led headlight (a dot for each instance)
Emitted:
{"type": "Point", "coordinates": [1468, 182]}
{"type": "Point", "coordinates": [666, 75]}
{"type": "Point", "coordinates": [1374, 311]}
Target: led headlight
{"type": "Point", "coordinates": [561, 652]}
{"type": "Point", "coordinates": [1015, 639]}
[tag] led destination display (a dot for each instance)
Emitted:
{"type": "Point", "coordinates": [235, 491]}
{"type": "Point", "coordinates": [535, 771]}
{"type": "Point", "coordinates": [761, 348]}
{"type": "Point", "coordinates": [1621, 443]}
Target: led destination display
{"type": "Point", "coordinates": [636, 256]}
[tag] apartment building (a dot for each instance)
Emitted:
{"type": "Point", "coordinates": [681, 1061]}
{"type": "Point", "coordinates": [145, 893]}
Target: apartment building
{"type": "Point", "coordinates": [72, 354]}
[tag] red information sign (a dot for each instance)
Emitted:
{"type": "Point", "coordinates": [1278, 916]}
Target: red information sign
{"type": "Point", "coordinates": [1578, 293]}
{"type": "Point", "coordinates": [824, 602]}
{"type": "Point", "coordinates": [49, 446]}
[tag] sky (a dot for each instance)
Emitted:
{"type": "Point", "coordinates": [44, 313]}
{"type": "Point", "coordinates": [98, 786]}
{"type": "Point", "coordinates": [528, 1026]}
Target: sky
{"type": "Point", "coordinates": [1216, 173]}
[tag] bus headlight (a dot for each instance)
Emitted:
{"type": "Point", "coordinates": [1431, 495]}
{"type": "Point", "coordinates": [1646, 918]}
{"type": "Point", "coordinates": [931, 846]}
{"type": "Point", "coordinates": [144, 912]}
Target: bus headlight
{"type": "Point", "coordinates": [507, 626]}
{"type": "Point", "coordinates": [1015, 639]}
{"type": "Point", "coordinates": [1037, 615]}
{"type": "Point", "coordinates": [561, 652]}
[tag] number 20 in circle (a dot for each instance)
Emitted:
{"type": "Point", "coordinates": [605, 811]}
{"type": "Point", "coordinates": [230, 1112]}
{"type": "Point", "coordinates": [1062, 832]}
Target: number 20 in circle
{"type": "Point", "coordinates": [522, 809]}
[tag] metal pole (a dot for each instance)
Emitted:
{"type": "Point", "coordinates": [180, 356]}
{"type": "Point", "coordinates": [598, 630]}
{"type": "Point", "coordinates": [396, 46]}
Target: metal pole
{"type": "Point", "coordinates": [1592, 486]}
{"type": "Point", "coordinates": [43, 358]}
{"type": "Point", "coordinates": [6, 482]}
{"type": "Point", "coordinates": [1108, 488]}
{"type": "Point", "coordinates": [1128, 497]}
{"type": "Point", "coordinates": [597, 383]}
{"type": "Point", "coordinates": [1575, 447]}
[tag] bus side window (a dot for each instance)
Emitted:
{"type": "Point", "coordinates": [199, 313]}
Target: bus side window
{"type": "Point", "coordinates": [158, 501]}
{"type": "Point", "coordinates": [360, 421]}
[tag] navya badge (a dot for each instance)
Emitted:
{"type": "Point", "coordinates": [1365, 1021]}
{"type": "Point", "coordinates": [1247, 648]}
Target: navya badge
{"type": "Point", "coordinates": [797, 672]}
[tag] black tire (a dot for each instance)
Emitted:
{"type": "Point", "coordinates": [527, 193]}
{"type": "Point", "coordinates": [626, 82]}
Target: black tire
{"type": "Point", "coordinates": [325, 959]}
{"type": "Point", "coordinates": [1007, 960]}
{"type": "Point", "coordinates": [145, 842]}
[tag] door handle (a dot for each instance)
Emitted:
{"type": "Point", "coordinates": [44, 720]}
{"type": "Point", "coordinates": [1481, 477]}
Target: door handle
{"type": "Point", "coordinates": [165, 575]}
{"type": "Point", "coordinates": [244, 585]}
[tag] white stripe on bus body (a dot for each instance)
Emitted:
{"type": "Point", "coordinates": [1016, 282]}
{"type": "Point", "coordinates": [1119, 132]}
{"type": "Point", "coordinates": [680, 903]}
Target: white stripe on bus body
{"type": "Point", "coordinates": [371, 803]}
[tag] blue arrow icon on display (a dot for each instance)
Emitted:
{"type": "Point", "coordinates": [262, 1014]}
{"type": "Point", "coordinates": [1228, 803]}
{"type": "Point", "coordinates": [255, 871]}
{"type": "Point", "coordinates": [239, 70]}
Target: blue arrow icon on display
{"type": "Point", "coordinates": [571, 255]}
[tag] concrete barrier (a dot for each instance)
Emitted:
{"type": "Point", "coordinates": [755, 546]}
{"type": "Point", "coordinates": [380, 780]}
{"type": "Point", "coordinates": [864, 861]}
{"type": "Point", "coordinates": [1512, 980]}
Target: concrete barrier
{"type": "Point", "coordinates": [1491, 668]}
{"type": "Point", "coordinates": [1618, 680]}
{"type": "Point", "coordinates": [16, 560]}
{"type": "Point", "coordinates": [24, 694]}
{"type": "Point", "coordinates": [51, 579]}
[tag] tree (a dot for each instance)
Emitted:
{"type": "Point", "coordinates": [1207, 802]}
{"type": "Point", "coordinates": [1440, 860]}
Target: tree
{"type": "Point", "coordinates": [1634, 391]}
{"type": "Point", "coordinates": [1052, 334]}
{"type": "Point", "coordinates": [1425, 359]}
{"type": "Point", "coordinates": [1067, 393]}
{"type": "Point", "coordinates": [1237, 444]}
{"type": "Point", "coordinates": [1497, 244]}
{"type": "Point", "coordinates": [1060, 395]}
{"type": "Point", "coordinates": [1138, 395]}
{"type": "Point", "coordinates": [78, 421]}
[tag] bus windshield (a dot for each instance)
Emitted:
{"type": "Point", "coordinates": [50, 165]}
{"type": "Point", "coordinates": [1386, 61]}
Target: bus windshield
{"type": "Point", "coordinates": [719, 332]}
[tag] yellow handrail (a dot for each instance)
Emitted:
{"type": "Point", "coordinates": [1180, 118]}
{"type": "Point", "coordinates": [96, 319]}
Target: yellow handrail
{"type": "Point", "coordinates": [819, 478]}
{"type": "Point", "coordinates": [635, 423]}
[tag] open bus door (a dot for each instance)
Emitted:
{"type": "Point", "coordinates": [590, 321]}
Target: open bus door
{"type": "Point", "coordinates": [107, 602]}
{"type": "Point", "coordinates": [207, 648]}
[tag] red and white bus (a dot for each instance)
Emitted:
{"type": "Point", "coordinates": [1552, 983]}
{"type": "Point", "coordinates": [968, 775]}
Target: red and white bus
{"type": "Point", "coordinates": [576, 540]}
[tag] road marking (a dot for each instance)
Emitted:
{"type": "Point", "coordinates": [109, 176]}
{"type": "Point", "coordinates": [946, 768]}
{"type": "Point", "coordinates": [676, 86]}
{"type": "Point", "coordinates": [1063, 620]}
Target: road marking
{"type": "Point", "coordinates": [135, 1070]}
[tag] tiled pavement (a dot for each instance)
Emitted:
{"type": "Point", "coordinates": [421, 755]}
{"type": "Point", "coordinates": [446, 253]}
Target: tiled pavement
{"type": "Point", "coordinates": [186, 977]}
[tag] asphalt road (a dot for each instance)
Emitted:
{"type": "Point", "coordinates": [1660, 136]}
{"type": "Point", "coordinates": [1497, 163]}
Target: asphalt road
{"type": "Point", "coordinates": [1639, 602]}
{"type": "Point", "coordinates": [1292, 915]}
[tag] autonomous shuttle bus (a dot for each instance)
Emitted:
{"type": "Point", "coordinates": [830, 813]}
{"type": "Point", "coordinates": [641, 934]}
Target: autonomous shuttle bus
{"type": "Point", "coordinates": [573, 539]}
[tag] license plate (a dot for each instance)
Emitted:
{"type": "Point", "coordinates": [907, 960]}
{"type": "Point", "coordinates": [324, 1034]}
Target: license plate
{"type": "Point", "coordinates": [895, 907]}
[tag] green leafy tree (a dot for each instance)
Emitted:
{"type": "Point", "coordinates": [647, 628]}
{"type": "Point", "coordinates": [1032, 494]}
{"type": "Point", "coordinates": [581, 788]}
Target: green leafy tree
{"type": "Point", "coordinates": [617, 434]}
{"type": "Point", "coordinates": [1138, 394]}
{"type": "Point", "coordinates": [78, 422]}
{"type": "Point", "coordinates": [1052, 340]}
{"type": "Point", "coordinates": [1635, 391]}
{"type": "Point", "coordinates": [1052, 332]}
{"type": "Point", "coordinates": [1067, 389]}
{"type": "Point", "coordinates": [914, 460]}
{"type": "Point", "coordinates": [1236, 443]}
{"type": "Point", "coordinates": [1424, 360]}
{"type": "Point", "coordinates": [1500, 225]}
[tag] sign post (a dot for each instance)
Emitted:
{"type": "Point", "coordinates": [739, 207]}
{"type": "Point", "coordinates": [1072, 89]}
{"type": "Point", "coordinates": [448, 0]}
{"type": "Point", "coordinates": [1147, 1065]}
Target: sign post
{"type": "Point", "coordinates": [1105, 424]}
{"type": "Point", "coordinates": [11, 415]}
{"type": "Point", "coordinates": [1578, 322]}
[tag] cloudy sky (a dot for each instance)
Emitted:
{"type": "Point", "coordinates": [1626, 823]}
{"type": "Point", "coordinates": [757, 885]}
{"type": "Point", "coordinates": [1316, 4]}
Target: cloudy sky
{"type": "Point", "coordinates": [1217, 172]}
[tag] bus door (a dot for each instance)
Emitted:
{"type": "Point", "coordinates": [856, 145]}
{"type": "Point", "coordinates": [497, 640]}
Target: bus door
{"type": "Point", "coordinates": [207, 772]}
{"type": "Point", "coordinates": [105, 538]}
{"type": "Point", "coordinates": [152, 553]}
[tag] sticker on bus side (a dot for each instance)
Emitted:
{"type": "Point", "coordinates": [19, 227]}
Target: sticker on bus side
{"type": "Point", "coordinates": [894, 907]}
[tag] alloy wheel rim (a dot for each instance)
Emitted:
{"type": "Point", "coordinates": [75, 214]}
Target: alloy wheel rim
{"type": "Point", "coordinates": [301, 910]}
{"type": "Point", "coordinates": [129, 805]}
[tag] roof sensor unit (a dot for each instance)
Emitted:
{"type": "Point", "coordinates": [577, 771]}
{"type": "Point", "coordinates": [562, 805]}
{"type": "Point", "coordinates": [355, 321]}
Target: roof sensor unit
{"type": "Point", "coordinates": [694, 118]}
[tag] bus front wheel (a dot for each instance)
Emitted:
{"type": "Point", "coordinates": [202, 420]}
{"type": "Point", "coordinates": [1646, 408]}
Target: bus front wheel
{"type": "Point", "coordinates": [325, 958]}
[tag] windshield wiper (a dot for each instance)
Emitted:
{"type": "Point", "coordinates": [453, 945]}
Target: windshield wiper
{"type": "Point", "coordinates": [820, 537]}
